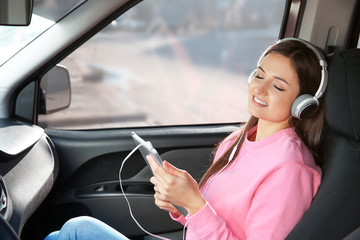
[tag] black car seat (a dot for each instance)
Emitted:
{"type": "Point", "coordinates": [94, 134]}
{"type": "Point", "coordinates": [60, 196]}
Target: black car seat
{"type": "Point", "coordinates": [335, 211]}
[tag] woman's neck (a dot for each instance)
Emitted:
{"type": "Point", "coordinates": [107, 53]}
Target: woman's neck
{"type": "Point", "coordinates": [265, 128]}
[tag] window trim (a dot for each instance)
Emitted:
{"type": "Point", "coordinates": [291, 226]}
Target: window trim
{"type": "Point", "coordinates": [293, 14]}
{"type": "Point", "coordinates": [354, 31]}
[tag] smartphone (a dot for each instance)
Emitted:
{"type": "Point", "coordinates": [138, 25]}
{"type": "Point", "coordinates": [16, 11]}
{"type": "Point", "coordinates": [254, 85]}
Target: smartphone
{"type": "Point", "coordinates": [147, 149]}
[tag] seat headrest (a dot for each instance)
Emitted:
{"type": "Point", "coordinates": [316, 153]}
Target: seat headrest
{"type": "Point", "coordinates": [343, 93]}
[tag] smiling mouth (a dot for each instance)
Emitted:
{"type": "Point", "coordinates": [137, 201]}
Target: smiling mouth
{"type": "Point", "coordinates": [260, 102]}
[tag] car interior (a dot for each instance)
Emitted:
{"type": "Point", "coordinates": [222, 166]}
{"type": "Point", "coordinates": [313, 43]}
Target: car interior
{"type": "Point", "coordinates": [48, 176]}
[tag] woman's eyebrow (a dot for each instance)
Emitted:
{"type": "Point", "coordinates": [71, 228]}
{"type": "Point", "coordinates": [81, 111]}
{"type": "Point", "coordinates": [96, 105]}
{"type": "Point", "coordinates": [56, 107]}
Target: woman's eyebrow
{"type": "Point", "coordinates": [259, 67]}
{"type": "Point", "coordinates": [279, 78]}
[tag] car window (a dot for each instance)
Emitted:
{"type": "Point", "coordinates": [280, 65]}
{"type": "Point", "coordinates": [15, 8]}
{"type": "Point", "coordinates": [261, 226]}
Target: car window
{"type": "Point", "coordinates": [14, 39]}
{"type": "Point", "coordinates": [169, 62]}
{"type": "Point", "coordinates": [45, 14]}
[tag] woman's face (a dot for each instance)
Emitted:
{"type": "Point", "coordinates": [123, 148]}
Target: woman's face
{"type": "Point", "coordinates": [273, 89]}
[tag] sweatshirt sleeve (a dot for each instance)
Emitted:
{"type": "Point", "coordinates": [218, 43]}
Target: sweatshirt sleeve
{"type": "Point", "coordinates": [279, 202]}
{"type": "Point", "coordinates": [208, 225]}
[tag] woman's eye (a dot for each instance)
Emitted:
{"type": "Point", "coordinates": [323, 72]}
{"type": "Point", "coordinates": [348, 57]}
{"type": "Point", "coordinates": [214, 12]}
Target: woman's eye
{"type": "Point", "coordinates": [257, 76]}
{"type": "Point", "coordinates": [278, 88]}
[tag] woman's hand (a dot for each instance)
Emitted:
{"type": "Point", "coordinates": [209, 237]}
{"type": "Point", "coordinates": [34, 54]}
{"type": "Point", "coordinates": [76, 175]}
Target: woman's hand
{"type": "Point", "coordinates": [160, 202]}
{"type": "Point", "coordinates": [176, 186]}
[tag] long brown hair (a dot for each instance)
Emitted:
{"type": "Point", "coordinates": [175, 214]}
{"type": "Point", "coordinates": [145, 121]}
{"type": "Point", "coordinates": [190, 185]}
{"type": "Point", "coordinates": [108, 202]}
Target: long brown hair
{"type": "Point", "coordinates": [309, 130]}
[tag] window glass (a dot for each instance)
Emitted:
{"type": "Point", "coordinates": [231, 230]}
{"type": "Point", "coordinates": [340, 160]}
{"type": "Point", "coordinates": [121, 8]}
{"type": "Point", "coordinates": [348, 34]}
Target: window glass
{"type": "Point", "coordinates": [45, 14]}
{"type": "Point", "coordinates": [169, 62]}
{"type": "Point", "coordinates": [14, 39]}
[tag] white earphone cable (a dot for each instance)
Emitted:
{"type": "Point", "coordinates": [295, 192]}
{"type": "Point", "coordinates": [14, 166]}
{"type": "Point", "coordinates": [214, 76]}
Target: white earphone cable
{"type": "Point", "coordinates": [127, 201]}
{"type": "Point", "coordinates": [232, 154]}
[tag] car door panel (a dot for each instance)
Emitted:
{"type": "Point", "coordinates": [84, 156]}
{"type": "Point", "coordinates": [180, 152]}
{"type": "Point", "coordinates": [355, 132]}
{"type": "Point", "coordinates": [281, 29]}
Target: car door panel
{"type": "Point", "coordinates": [88, 182]}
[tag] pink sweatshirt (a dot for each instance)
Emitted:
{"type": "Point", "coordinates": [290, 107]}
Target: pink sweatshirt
{"type": "Point", "coordinates": [262, 195]}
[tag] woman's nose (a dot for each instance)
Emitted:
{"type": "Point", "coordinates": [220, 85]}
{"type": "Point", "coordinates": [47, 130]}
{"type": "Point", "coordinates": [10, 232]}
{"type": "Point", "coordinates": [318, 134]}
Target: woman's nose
{"type": "Point", "coordinates": [261, 87]}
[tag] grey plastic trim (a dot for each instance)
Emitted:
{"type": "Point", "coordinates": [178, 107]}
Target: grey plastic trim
{"type": "Point", "coordinates": [16, 138]}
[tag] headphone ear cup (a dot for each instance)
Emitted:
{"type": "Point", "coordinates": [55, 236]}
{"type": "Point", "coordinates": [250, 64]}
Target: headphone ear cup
{"type": "Point", "coordinates": [251, 76]}
{"type": "Point", "coordinates": [303, 105]}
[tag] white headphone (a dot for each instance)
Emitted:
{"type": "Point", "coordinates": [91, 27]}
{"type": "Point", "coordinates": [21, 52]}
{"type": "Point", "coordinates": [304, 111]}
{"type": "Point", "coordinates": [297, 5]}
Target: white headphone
{"type": "Point", "coordinates": [304, 102]}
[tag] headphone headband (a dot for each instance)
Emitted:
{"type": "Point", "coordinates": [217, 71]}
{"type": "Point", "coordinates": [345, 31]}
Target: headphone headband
{"type": "Point", "coordinates": [322, 62]}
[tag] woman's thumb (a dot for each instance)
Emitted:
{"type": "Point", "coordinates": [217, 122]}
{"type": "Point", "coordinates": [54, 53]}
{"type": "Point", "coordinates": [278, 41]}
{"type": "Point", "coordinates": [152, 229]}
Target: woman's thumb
{"type": "Point", "coordinates": [172, 169]}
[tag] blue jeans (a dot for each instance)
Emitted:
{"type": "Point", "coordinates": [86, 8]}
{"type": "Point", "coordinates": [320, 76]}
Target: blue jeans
{"type": "Point", "coordinates": [86, 228]}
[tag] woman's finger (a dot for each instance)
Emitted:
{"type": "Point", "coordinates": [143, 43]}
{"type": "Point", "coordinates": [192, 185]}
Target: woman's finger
{"type": "Point", "coordinates": [166, 206]}
{"type": "Point", "coordinates": [156, 189]}
{"type": "Point", "coordinates": [159, 196]}
{"type": "Point", "coordinates": [153, 180]}
{"type": "Point", "coordinates": [174, 170]}
{"type": "Point", "coordinates": [157, 170]}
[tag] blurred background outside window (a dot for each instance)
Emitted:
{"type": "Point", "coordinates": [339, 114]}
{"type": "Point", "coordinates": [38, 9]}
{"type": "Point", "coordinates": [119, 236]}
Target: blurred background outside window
{"type": "Point", "coordinates": [169, 62]}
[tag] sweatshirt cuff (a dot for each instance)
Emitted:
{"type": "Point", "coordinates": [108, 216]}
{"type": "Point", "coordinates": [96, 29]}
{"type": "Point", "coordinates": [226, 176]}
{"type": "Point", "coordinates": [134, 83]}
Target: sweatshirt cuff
{"type": "Point", "coordinates": [180, 219]}
{"type": "Point", "coordinates": [204, 220]}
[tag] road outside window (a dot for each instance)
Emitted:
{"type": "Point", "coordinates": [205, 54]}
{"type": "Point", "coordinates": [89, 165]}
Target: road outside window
{"type": "Point", "coordinates": [168, 62]}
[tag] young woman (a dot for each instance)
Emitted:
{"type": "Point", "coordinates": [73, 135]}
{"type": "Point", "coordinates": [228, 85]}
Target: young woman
{"type": "Point", "coordinates": [265, 175]}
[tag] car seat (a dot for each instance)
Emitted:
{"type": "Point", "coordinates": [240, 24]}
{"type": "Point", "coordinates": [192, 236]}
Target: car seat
{"type": "Point", "coordinates": [335, 211]}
